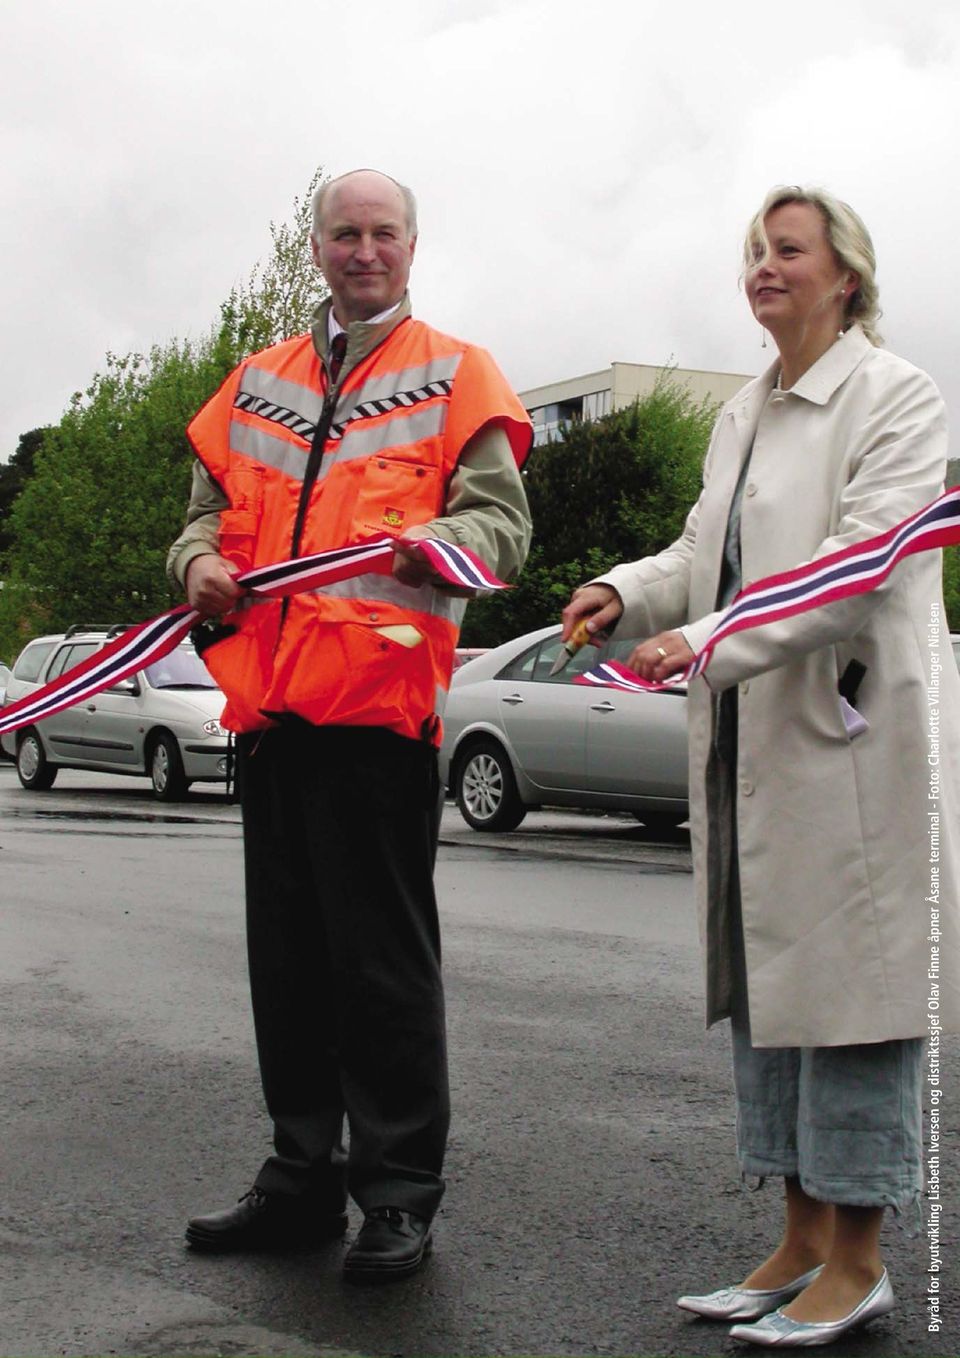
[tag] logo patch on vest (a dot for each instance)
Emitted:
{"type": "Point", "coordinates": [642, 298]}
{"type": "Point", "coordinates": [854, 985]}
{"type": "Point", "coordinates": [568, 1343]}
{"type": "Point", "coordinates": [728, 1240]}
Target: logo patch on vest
{"type": "Point", "coordinates": [392, 518]}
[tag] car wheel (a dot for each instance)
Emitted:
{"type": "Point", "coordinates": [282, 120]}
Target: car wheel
{"type": "Point", "coordinates": [166, 769]}
{"type": "Point", "coordinates": [486, 790]}
{"type": "Point", "coordinates": [34, 770]}
{"type": "Point", "coordinates": [660, 820]}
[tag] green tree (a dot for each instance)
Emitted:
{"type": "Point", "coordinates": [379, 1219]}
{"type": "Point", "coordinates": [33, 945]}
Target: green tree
{"type": "Point", "coordinates": [13, 476]}
{"type": "Point", "coordinates": [283, 291]}
{"type": "Point", "coordinates": [951, 586]}
{"type": "Point", "coordinates": [609, 490]}
{"type": "Point", "coordinates": [106, 497]}
{"type": "Point", "coordinates": [105, 492]}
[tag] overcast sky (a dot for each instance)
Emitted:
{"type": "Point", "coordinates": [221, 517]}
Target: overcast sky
{"type": "Point", "coordinates": [584, 171]}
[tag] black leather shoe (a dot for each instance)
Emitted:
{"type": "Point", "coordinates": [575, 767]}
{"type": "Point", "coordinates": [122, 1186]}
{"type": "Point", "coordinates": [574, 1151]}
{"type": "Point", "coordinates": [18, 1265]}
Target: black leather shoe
{"type": "Point", "coordinates": [391, 1244]}
{"type": "Point", "coordinates": [265, 1221]}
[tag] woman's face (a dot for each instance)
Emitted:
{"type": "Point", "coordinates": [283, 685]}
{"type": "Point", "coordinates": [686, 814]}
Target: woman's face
{"type": "Point", "coordinates": [798, 285]}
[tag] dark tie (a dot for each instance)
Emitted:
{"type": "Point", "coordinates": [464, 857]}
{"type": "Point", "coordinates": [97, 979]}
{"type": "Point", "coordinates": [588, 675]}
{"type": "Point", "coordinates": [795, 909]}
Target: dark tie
{"type": "Point", "coordinates": [338, 347]}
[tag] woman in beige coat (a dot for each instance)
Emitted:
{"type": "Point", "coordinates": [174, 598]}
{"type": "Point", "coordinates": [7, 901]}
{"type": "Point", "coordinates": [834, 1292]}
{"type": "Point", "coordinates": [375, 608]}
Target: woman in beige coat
{"type": "Point", "coordinates": [825, 854]}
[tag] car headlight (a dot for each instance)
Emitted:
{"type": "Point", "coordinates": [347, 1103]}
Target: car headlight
{"type": "Point", "coordinates": [213, 728]}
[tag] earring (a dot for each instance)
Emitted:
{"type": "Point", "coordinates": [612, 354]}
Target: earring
{"type": "Point", "coordinates": [763, 339]}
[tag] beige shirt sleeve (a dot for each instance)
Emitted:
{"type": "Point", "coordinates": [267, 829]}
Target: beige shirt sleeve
{"type": "Point", "coordinates": [202, 532]}
{"type": "Point", "coordinates": [486, 508]}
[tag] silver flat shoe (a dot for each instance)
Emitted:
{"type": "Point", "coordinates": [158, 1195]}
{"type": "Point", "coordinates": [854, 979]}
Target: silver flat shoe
{"type": "Point", "coordinates": [746, 1303]}
{"type": "Point", "coordinates": [779, 1331]}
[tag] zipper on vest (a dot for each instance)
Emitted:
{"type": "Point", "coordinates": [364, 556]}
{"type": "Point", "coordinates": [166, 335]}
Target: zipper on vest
{"type": "Point", "coordinates": [309, 478]}
{"type": "Point", "coordinates": [313, 466]}
{"type": "Point", "coordinates": [313, 463]}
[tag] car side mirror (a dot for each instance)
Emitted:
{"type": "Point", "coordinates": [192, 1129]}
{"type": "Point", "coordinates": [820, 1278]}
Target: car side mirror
{"type": "Point", "coordinates": [126, 686]}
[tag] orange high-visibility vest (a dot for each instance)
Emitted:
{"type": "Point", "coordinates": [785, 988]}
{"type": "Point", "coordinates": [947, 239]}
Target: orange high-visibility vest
{"type": "Point", "coordinates": [366, 651]}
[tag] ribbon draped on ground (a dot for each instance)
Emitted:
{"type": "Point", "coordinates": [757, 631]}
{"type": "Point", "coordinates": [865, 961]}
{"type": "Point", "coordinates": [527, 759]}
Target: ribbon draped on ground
{"type": "Point", "coordinates": [140, 646]}
{"type": "Point", "coordinates": [852, 570]}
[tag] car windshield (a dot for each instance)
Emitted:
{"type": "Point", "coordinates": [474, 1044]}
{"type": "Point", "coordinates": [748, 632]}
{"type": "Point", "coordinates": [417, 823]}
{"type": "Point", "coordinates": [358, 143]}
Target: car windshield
{"type": "Point", "coordinates": [182, 668]}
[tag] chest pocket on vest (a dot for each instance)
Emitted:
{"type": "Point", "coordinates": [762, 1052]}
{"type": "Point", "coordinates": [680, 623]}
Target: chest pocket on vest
{"type": "Point", "coordinates": [394, 495]}
{"type": "Point", "coordinates": [239, 523]}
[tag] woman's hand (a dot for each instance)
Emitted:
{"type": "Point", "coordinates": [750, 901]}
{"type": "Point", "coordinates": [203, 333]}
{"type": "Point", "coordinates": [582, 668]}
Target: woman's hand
{"type": "Point", "coordinates": [660, 657]}
{"type": "Point", "coordinates": [599, 605]}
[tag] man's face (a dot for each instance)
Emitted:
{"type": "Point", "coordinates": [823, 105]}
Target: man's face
{"type": "Point", "coordinates": [364, 247]}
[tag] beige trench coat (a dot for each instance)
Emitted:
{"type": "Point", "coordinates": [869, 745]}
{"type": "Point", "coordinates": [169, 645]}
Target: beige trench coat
{"type": "Point", "coordinates": [846, 845]}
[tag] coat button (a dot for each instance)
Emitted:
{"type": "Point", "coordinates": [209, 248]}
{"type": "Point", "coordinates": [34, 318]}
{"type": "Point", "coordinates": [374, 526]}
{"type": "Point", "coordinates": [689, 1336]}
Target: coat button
{"type": "Point", "coordinates": [746, 787]}
{"type": "Point", "coordinates": [380, 462]}
{"type": "Point", "coordinates": [421, 471]}
{"type": "Point", "coordinates": [374, 617]}
{"type": "Point", "coordinates": [751, 488]}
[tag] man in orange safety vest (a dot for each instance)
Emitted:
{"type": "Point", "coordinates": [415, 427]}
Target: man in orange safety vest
{"type": "Point", "coordinates": [373, 423]}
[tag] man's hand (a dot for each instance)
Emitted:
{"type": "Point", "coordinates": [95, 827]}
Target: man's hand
{"type": "Point", "coordinates": [410, 565]}
{"type": "Point", "coordinates": [210, 585]}
{"type": "Point", "coordinates": [661, 656]}
{"type": "Point", "coordinates": [601, 605]}
{"type": "Point", "coordinates": [412, 568]}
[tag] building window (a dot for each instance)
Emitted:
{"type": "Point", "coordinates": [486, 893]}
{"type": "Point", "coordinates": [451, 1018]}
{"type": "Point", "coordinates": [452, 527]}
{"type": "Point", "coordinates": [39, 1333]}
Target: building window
{"type": "Point", "coordinates": [597, 404]}
{"type": "Point", "coordinates": [548, 421]}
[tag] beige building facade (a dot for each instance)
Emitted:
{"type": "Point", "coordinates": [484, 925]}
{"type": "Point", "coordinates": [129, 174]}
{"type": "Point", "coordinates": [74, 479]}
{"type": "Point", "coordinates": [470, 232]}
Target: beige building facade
{"type": "Point", "coordinates": [598, 393]}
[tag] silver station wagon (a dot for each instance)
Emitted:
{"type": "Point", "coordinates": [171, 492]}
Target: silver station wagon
{"type": "Point", "coordinates": [162, 722]}
{"type": "Point", "coordinates": [516, 738]}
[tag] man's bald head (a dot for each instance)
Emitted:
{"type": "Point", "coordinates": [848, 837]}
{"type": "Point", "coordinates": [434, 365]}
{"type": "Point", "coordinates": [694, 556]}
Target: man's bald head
{"type": "Point", "coordinates": [377, 182]}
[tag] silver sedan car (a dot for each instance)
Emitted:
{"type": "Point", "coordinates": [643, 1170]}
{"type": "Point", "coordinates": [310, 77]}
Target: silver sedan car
{"type": "Point", "coordinates": [163, 721]}
{"type": "Point", "coordinates": [515, 738]}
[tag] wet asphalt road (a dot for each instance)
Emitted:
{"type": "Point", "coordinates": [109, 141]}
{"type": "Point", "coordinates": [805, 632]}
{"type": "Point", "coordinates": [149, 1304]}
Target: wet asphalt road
{"type": "Point", "coordinates": [590, 1174]}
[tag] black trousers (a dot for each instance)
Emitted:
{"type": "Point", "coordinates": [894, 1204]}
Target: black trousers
{"type": "Point", "coordinates": [340, 831]}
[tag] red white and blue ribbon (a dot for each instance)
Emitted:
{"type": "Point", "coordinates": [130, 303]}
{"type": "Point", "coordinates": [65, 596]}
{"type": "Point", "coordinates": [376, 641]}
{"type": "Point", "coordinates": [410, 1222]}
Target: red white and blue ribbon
{"type": "Point", "coordinates": [140, 646]}
{"type": "Point", "coordinates": [840, 575]}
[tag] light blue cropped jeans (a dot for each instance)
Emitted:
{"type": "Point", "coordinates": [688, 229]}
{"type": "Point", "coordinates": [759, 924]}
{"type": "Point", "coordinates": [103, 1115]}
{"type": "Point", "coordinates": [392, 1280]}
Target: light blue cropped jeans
{"type": "Point", "coordinates": [846, 1121]}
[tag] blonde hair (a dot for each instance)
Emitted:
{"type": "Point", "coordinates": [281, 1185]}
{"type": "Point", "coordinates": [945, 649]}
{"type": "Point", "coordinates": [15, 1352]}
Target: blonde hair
{"type": "Point", "coordinates": [849, 239]}
{"type": "Point", "coordinates": [409, 202]}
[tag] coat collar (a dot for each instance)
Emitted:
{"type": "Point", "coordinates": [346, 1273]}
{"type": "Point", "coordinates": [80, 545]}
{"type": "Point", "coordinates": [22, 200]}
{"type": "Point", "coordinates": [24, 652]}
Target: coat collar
{"type": "Point", "coordinates": [362, 336]}
{"type": "Point", "coordinates": [833, 368]}
{"type": "Point", "coordinates": [817, 384]}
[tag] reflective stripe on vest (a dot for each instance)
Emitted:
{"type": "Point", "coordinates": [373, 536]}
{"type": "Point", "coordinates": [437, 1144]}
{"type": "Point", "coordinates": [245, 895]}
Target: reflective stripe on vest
{"type": "Point", "coordinates": [385, 589]}
{"type": "Point", "coordinates": [297, 408]}
{"type": "Point", "coordinates": [407, 383]}
{"type": "Point", "coordinates": [362, 440]}
{"type": "Point", "coordinates": [270, 449]}
{"type": "Point", "coordinates": [261, 390]}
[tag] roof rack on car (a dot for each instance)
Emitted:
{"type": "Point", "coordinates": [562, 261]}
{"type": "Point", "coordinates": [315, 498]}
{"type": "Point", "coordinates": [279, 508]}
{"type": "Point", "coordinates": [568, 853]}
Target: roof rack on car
{"type": "Point", "coordinates": [112, 629]}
